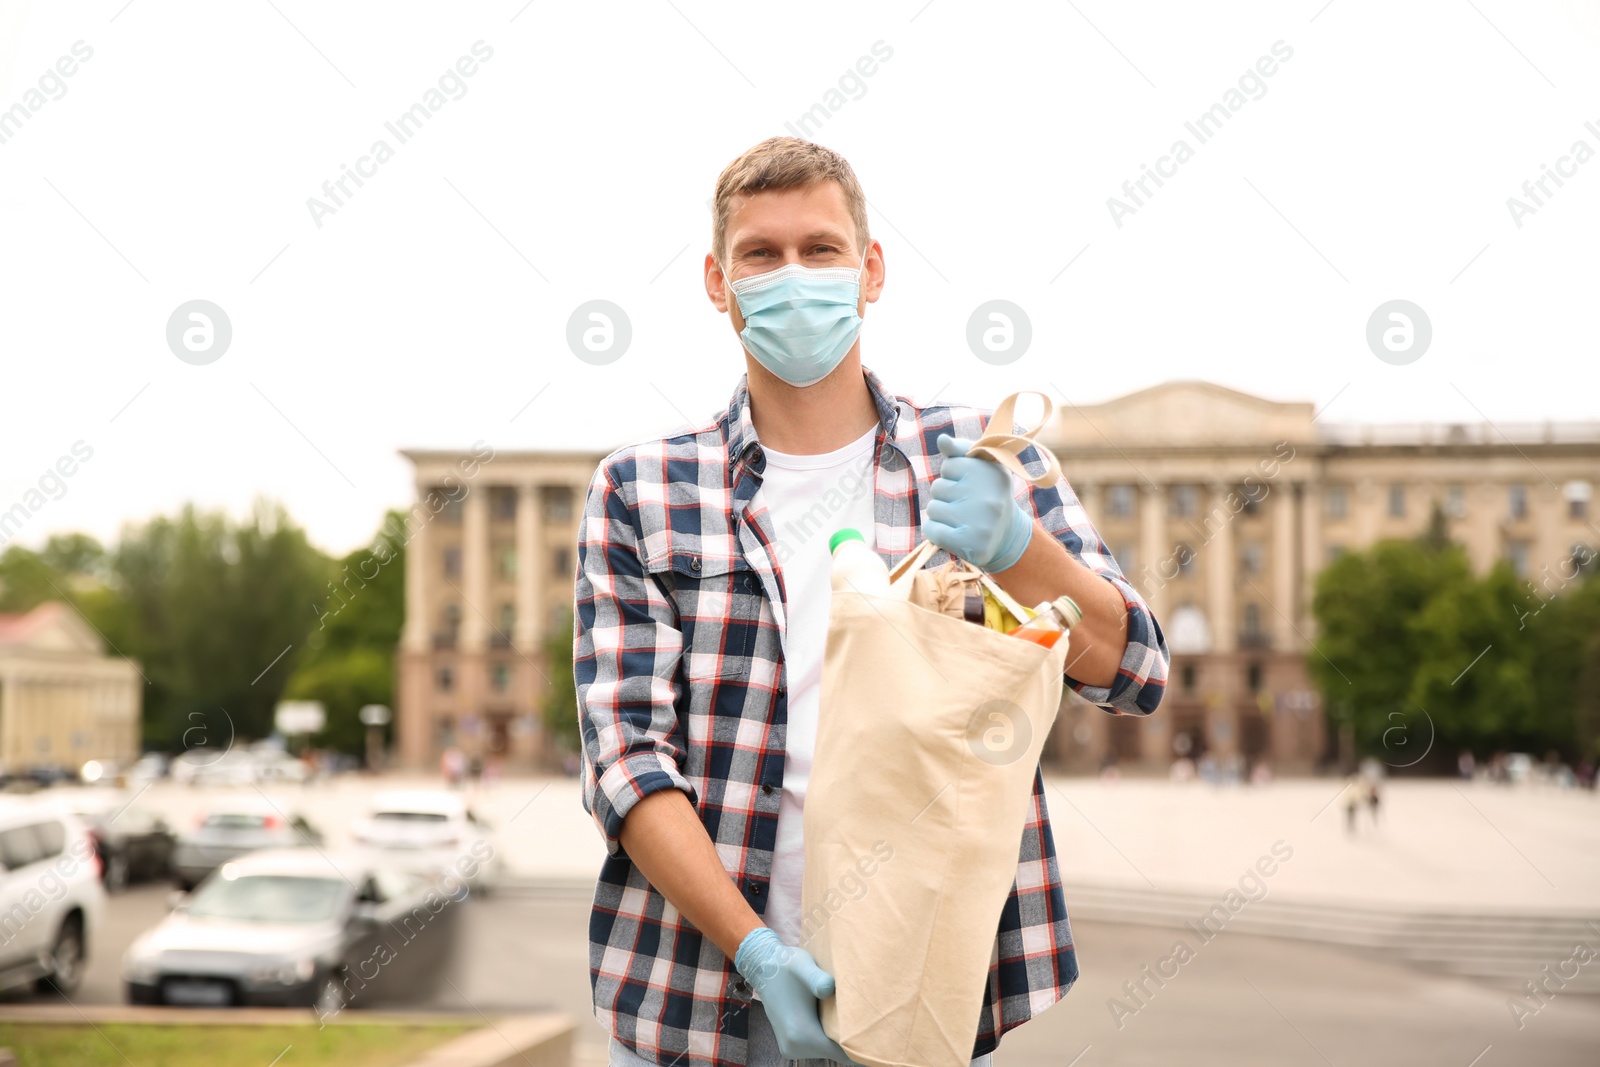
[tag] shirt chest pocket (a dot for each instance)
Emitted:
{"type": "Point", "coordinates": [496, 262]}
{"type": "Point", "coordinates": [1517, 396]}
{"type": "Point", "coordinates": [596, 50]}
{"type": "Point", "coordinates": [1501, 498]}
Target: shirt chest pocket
{"type": "Point", "coordinates": [719, 602]}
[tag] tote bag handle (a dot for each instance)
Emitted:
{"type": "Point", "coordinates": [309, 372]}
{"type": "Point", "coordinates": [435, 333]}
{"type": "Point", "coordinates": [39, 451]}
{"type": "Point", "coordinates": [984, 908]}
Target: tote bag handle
{"type": "Point", "coordinates": [1005, 447]}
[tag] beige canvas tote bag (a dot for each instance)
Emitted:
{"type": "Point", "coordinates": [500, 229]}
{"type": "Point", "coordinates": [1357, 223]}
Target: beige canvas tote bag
{"type": "Point", "coordinates": [928, 738]}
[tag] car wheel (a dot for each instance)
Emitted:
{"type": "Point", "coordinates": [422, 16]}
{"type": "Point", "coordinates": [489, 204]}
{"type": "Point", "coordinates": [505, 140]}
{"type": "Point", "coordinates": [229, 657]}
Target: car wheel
{"type": "Point", "coordinates": [116, 876]}
{"type": "Point", "coordinates": [66, 959]}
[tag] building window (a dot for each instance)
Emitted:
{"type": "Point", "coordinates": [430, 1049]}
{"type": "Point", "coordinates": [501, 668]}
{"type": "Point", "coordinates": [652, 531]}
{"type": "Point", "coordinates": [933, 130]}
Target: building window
{"type": "Point", "coordinates": [503, 501]}
{"type": "Point", "coordinates": [1582, 559]}
{"type": "Point", "coordinates": [1250, 558]}
{"type": "Point", "coordinates": [505, 625]}
{"type": "Point", "coordinates": [447, 507]}
{"type": "Point", "coordinates": [1336, 502]}
{"type": "Point", "coordinates": [446, 679]}
{"type": "Point", "coordinates": [561, 563]}
{"type": "Point", "coordinates": [1577, 494]}
{"type": "Point", "coordinates": [1188, 677]}
{"type": "Point", "coordinates": [1184, 502]}
{"type": "Point", "coordinates": [557, 503]}
{"type": "Point", "coordinates": [505, 559]}
{"type": "Point", "coordinates": [1517, 553]}
{"type": "Point", "coordinates": [452, 561]}
{"type": "Point", "coordinates": [1397, 501]}
{"type": "Point", "coordinates": [1119, 501]}
{"type": "Point", "coordinates": [500, 678]}
{"type": "Point", "coordinates": [1455, 501]}
{"type": "Point", "coordinates": [1183, 555]}
{"type": "Point", "coordinates": [1334, 552]}
{"type": "Point", "coordinates": [1252, 620]}
{"type": "Point", "coordinates": [1517, 501]}
{"type": "Point", "coordinates": [1252, 677]}
{"type": "Point", "coordinates": [1250, 498]}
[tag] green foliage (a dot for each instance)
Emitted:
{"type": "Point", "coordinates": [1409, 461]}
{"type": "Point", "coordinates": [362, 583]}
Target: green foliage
{"type": "Point", "coordinates": [27, 580]}
{"type": "Point", "coordinates": [1369, 650]}
{"type": "Point", "coordinates": [1406, 630]}
{"type": "Point", "coordinates": [208, 606]}
{"type": "Point", "coordinates": [561, 698]}
{"type": "Point", "coordinates": [349, 655]}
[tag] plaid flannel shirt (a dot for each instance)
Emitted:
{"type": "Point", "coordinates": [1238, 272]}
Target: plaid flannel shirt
{"type": "Point", "coordinates": [681, 685]}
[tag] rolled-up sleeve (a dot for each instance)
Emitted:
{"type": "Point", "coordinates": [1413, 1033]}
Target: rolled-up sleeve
{"type": "Point", "coordinates": [1142, 675]}
{"type": "Point", "coordinates": [626, 648]}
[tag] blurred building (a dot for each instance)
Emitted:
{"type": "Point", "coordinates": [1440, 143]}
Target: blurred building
{"type": "Point", "coordinates": [63, 701]}
{"type": "Point", "coordinates": [1220, 506]}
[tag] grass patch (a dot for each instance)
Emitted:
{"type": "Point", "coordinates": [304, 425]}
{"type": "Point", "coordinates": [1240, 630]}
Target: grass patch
{"type": "Point", "coordinates": [208, 1045]}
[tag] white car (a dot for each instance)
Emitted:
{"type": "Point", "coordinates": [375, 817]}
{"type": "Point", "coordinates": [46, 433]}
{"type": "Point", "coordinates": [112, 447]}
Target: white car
{"type": "Point", "coordinates": [51, 900]}
{"type": "Point", "coordinates": [430, 832]}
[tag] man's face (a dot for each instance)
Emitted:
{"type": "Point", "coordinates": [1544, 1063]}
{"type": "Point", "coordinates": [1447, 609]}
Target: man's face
{"type": "Point", "coordinates": [775, 227]}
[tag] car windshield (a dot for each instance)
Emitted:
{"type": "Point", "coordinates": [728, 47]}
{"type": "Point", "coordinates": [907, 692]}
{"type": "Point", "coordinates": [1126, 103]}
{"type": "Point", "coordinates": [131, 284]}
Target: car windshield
{"type": "Point", "coordinates": [239, 821]}
{"type": "Point", "coordinates": [268, 898]}
{"type": "Point", "coordinates": [410, 816]}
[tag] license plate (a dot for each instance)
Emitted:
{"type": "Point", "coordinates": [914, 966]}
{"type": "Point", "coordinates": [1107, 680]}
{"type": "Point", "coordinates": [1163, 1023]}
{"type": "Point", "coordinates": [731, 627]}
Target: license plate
{"type": "Point", "coordinates": [192, 991]}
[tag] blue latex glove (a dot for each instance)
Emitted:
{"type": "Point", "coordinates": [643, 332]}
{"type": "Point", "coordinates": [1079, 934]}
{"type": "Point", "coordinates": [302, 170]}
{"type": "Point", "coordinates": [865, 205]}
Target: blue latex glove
{"type": "Point", "coordinates": [790, 983]}
{"type": "Point", "coordinates": [973, 514]}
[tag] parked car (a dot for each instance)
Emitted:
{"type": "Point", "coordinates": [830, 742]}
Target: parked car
{"type": "Point", "coordinates": [430, 832]}
{"type": "Point", "coordinates": [50, 896]}
{"type": "Point", "coordinates": [295, 928]}
{"type": "Point", "coordinates": [233, 827]}
{"type": "Point", "coordinates": [131, 841]}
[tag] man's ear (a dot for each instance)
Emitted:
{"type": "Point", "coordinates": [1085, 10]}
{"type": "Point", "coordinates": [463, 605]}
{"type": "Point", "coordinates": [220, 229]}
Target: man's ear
{"type": "Point", "coordinates": [873, 274]}
{"type": "Point", "coordinates": [717, 285]}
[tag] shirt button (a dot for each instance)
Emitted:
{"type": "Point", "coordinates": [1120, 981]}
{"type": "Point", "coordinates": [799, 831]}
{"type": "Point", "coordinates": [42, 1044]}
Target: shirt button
{"type": "Point", "coordinates": [755, 890]}
{"type": "Point", "coordinates": [694, 565]}
{"type": "Point", "coordinates": [766, 788]}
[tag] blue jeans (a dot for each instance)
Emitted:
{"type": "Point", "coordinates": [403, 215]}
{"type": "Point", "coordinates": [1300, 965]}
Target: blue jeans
{"type": "Point", "coordinates": [763, 1049]}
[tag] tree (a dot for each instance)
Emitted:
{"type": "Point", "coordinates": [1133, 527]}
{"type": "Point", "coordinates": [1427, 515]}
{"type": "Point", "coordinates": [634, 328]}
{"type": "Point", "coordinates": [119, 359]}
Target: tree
{"type": "Point", "coordinates": [1475, 670]}
{"type": "Point", "coordinates": [1367, 649]}
{"type": "Point", "coordinates": [561, 697]}
{"type": "Point", "coordinates": [349, 655]}
{"type": "Point", "coordinates": [217, 612]}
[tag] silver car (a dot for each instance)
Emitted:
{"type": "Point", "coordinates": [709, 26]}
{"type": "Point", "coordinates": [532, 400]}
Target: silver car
{"type": "Point", "coordinates": [297, 927]}
{"type": "Point", "coordinates": [235, 827]}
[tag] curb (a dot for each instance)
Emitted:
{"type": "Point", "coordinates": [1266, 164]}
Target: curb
{"type": "Point", "coordinates": [531, 1040]}
{"type": "Point", "coordinates": [534, 1040]}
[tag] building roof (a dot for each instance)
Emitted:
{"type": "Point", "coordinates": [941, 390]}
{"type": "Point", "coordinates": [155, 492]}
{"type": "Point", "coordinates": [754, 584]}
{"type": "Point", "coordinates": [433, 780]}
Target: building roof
{"type": "Point", "coordinates": [54, 626]}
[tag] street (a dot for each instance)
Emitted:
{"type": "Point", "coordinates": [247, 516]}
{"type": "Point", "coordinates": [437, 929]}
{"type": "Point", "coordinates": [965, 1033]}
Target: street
{"type": "Point", "coordinates": [1242, 1000]}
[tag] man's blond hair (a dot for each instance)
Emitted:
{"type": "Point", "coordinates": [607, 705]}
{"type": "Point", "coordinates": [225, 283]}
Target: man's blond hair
{"type": "Point", "coordinates": [784, 163]}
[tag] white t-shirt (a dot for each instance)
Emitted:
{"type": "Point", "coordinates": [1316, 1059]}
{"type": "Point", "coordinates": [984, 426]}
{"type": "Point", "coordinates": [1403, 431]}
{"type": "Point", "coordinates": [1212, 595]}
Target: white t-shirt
{"type": "Point", "coordinates": [808, 499]}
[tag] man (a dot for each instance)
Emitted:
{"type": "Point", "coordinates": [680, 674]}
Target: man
{"type": "Point", "coordinates": [702, 610]}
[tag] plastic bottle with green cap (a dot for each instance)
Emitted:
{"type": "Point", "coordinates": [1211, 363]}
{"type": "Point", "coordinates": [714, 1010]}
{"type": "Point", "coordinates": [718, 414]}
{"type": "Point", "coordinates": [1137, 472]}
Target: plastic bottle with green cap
{"type": "Point", "coordinates": [856, 567]}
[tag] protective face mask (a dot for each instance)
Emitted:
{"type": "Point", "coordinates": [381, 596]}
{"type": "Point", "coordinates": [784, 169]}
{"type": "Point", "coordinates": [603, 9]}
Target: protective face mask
{"type": "Point", "coordinates": [800, 321]}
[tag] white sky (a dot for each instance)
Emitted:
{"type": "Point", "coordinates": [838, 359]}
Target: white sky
{"type": "Point", "coordinates": [988, 144]}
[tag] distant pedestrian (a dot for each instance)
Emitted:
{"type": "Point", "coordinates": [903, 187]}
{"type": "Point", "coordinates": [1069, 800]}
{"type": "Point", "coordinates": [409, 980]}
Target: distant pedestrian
{"type": "Point", "coordinates": [1353, 793]}
{"type": "Point", "coordinates": [1372, 800]}
{"type": "Point", "coordinates": [1466, 764]}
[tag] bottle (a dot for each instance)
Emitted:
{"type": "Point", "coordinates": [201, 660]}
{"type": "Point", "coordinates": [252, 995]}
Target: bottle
{"type": "Point", "coordinates": [1052, 620]}
{"type": "Point", "coordinates": [857, 568]}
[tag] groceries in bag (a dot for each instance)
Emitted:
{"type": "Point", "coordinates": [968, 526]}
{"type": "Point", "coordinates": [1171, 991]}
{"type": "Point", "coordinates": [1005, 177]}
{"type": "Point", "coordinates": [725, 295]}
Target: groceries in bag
{"type": "Point", "coordinates": [857, 568]}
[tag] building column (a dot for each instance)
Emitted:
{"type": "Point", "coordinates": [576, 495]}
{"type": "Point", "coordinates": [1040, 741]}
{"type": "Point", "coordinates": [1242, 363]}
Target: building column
{"type": "Point", "coordinates": [415, 636]}
{"type": "Point", "coordinates": [1219, 561]}
{"type": "Point", "coordinates": [527, 629]}
{"type": "Point", "coordinates": [1153, 548]}
{"type": "Point", "coordinates": [1310, 554]}
{"type": "Point", "coordinates": [475, 569]}
{"type": "Point", "coordinates": [1283, 606]}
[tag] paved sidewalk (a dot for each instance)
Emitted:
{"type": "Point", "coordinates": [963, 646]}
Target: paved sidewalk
{"type": "Point", "coordinates": [1440, 846]}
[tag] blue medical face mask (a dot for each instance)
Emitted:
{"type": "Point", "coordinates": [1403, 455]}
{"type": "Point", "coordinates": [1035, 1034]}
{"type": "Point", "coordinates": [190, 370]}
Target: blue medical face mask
{"type": "Point", "coordinates": [800, 321]}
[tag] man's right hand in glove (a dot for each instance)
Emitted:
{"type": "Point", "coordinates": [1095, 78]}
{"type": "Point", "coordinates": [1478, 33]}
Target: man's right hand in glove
{"type": "Point", "coordinates": [790, 983]}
